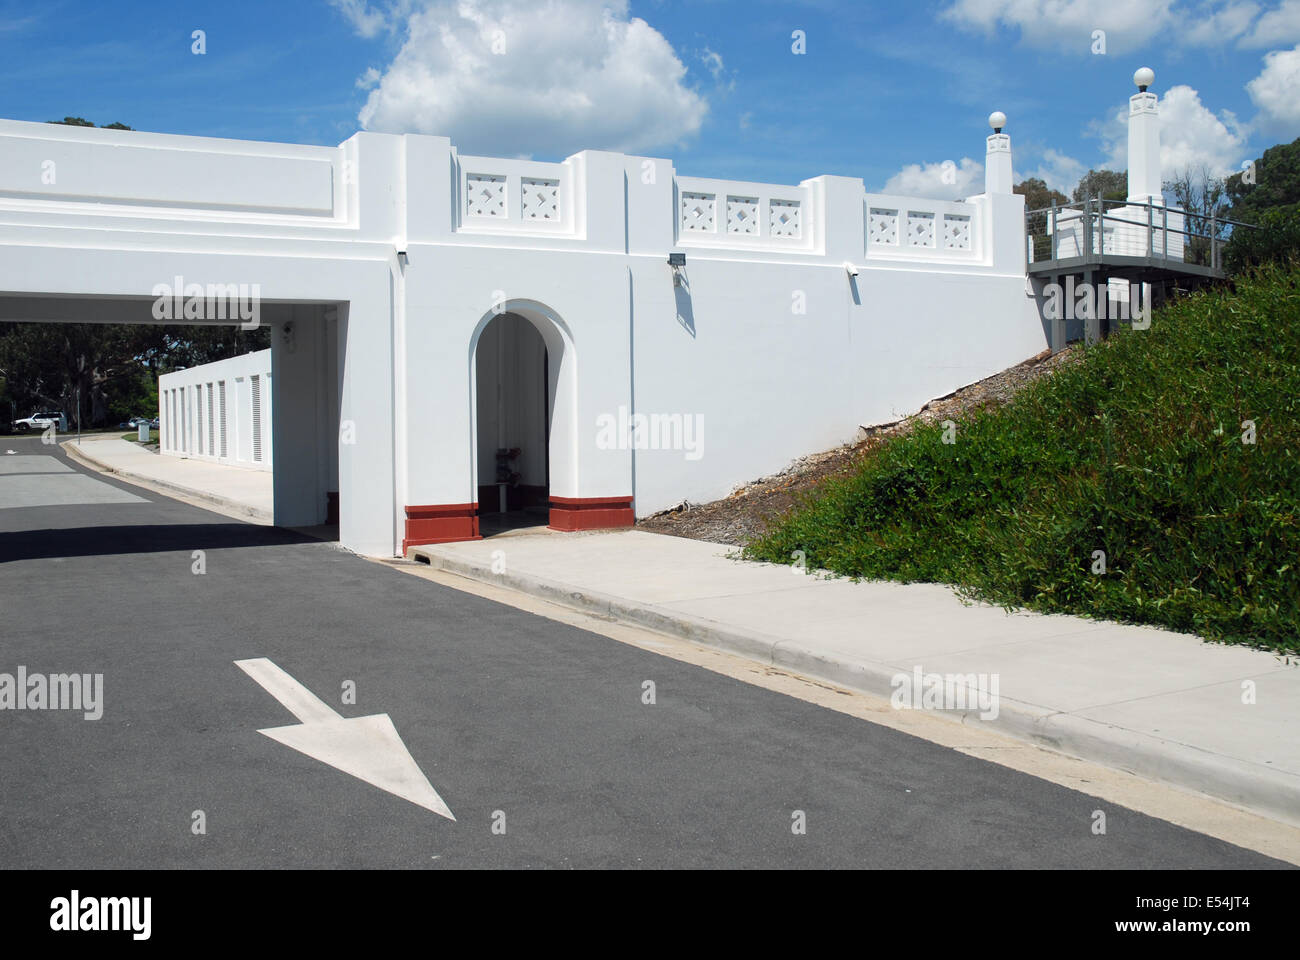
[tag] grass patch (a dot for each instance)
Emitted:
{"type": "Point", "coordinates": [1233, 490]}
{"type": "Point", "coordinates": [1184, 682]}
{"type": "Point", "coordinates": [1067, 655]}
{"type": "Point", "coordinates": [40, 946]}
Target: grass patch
{"type": "Point", "coordinates": [135, 438]}
{"type": "Point", "coordinates": [1137, 450]}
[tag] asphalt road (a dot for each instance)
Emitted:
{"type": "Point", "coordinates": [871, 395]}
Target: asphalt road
{"type": "Point", "coordinates": [504, 711]}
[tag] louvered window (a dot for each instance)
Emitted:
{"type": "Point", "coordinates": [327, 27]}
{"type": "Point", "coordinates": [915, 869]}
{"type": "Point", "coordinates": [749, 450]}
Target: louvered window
{"type": "Point", "coordinates": [256, 383]}
{"type": "Point", "coordinates": [221, 399]}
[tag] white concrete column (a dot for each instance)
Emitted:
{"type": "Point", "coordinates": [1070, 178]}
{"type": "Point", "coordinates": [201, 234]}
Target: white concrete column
{"type": "Point", "coordinates": [297, 344]}
{"type": "Point", "coordinates": [599, 177]}
{"type": "Point", "coordinates": [1144, 141]}
{"type": "Point", "coordinates": [368, 522]}
{"type": "Point", "coordinates": [997, 158]}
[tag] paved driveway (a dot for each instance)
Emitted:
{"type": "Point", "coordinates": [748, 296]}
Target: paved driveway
{"type": "Point", "coordinates": [516, 720]}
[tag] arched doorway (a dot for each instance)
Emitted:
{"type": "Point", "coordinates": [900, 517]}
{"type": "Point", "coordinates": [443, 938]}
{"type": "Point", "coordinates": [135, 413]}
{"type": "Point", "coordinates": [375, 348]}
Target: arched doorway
{"type": "Point", "coordinates": [521, 405]}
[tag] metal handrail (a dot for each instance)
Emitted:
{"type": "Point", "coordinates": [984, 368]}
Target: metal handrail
{"type": "Point", "coordinates": [1080, 204]}
{"type": "Point", "coordinates": [1092, 213]}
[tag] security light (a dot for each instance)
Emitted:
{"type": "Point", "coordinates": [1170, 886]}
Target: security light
{"type": "Point", "coordinates": [677, 261]}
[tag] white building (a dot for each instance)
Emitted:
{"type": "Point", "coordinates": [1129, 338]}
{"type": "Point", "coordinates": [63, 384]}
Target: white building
{"type": "Point", "coordinates": [431, 308]}
{"type": "Point", "coordinates": [219, 411]}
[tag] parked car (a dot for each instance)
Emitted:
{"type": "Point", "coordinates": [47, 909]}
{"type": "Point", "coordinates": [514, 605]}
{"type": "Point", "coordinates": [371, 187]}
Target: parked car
{"type": "Point", "coordinates": [133, 423]}
{"type": "Point", "coordinates": [39, 421]}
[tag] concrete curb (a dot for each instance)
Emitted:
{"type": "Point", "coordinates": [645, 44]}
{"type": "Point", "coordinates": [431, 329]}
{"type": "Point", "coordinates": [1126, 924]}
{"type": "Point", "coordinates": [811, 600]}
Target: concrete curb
{"type": "Point", "coordinates": [1252, 786]}
{"type": "Point", "coordinates": [227, 506]}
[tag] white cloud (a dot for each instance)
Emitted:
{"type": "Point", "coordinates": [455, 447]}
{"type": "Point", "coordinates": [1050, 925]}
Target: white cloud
{"type": "Point", "coordinates": [1276, 91]}
{"type": "Point", "coordinates": [1059, 171]}
{"type": "Point", "coordinates": [1276, 27]}
{"type": "Point", "coordinates": [944, 180]}
{"type": "Point", "coordinates": [369, 80]}
{"type": "Point", "coordinates": [1069, 24]}
{"type": "Point", "coordinates": [1191, 135]}
{"type": "Point", "coordinates": [504, 76]}
{"type": "Point", "coordinates": [713, 61]}
{"type": "Point", "coordinates": [366, 21]}
{"type": "Point", "coordinates": [1209, 27]}
{"type": "Point", "coordinates": [1130, 25]}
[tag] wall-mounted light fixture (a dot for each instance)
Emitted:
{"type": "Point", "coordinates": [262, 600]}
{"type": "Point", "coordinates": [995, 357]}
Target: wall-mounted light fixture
{"type": "Point", "coordinates": [402, 259]}
{"type": "Point", "coordinates": [677, 261]}
{"type": "Point", "coordinates": [850, 268]}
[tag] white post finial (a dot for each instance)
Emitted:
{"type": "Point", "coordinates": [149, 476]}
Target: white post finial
{"type": "Point", "coordinates": [1144, 140]}
{"type": "Point", "coordinates": [997, 159]}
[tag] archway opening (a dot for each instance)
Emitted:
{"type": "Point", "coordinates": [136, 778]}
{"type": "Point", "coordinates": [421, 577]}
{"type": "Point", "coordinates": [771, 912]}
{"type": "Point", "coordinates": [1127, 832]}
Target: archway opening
{"type": "Point", "coordinates": [514, 409]}
{"type": "Point", "coordinates": [265, 423]}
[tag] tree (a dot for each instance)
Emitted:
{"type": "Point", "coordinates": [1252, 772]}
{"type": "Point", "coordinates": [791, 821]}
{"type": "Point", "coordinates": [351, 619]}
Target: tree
{"type": "Point", "coordinates": [1266, 194]}
{"type": "Point", "coordinates": [1108, 184]}
{"type": "Point", "coordinates": [1276, 177]}
{"type": "Point", "coordinates": [1204, 199]}
{"type": "Point", "coordinates": [82, 122]}
{"type": "Point", "coordinates": [1277, 238]}
{"type": "Point", "coordinates": [1038, 196]}
{"type": "Point", "coordinates": [110, 369]}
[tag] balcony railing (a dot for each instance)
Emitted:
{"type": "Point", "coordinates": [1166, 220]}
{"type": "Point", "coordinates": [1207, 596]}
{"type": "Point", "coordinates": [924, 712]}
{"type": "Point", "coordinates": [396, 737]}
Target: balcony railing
{"type": "Point", "coordinates": [1095, 229]}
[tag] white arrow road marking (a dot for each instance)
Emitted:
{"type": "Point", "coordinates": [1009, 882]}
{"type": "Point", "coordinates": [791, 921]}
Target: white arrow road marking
{"type": "Point", "coordinates": [368, 748]}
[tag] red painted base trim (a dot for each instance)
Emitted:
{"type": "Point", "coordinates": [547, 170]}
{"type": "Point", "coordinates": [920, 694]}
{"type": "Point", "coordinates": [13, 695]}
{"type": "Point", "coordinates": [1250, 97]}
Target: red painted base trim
{"type": "Point", "coordinates": [591, 513]}
{"type": "Point", "coordinates": [440, 523]}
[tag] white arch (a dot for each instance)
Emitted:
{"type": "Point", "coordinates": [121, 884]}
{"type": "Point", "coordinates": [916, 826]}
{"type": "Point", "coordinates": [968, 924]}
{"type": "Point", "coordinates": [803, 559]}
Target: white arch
{"type": "Point", "coordinates": [562, 391]}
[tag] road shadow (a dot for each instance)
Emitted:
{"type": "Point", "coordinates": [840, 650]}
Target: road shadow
{"type": "Point", "coordinates": [142, 538]}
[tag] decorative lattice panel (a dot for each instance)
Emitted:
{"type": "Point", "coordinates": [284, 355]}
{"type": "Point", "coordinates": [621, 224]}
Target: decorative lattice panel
{"type": "Point", "coordinates": [485, 195]}
{"type": "Point", "coordinates": [742, 215]}
{"type": "Point", "coordinates": [541, 199]}
{"type": "Point", "coordinates": [783, 220]}
{"type": "Point", "coordinates": [882, 227]}
{"type": "Point", "coordinates": [956, 231]}
{"type": "Point", "coordinates": [698, 212]}
{"type": "Point", "coordinates": [920, 229]}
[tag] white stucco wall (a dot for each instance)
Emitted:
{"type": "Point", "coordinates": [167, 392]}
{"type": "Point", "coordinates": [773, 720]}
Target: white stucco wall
{"type": "Point", "coordinates": [409, 249]}
{"type": "Point", "coordinates": [221, 412]}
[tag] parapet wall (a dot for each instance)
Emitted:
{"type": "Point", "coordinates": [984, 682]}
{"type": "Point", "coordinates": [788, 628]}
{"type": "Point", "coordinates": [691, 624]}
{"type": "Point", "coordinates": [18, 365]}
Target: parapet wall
{"type": "Point", "coordinates": [404, 189]}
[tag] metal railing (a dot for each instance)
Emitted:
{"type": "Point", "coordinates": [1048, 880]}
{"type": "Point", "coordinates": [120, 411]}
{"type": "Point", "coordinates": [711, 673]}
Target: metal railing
{"type": "Point", "coordinates": [1145, 232]}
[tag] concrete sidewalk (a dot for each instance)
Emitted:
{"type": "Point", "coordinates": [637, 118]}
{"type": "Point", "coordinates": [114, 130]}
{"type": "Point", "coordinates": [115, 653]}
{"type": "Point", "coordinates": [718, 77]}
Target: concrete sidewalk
{"type": "Point", "coordinates": [246, 494]}
{"type": "Point", "coordinates": [1163, 705]}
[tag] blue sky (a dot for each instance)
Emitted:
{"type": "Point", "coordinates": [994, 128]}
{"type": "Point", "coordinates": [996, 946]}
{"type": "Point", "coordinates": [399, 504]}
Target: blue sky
{"type": "Point", "coordinates": [885, 91]}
